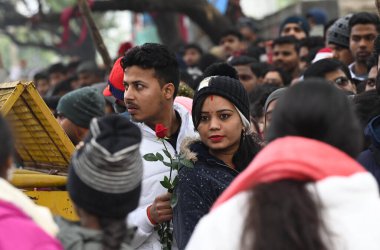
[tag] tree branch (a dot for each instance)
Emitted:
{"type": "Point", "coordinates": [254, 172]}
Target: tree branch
{"type": "Point", "coordinates": [199, 11]}
{"type": "Point", "coordinates": [29, 43]}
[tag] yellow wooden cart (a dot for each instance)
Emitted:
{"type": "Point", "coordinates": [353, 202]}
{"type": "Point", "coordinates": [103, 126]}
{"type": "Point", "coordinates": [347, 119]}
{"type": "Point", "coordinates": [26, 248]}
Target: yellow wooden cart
{"type": "Point", "coordinates": [42, 147]}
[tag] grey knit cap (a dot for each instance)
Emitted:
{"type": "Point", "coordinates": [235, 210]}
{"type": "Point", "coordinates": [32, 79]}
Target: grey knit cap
{"type": "Point", "coordinates": [106, 172]}
{"type": "Point", "coordinates": [339, 32]}
{"type": "Point", "coordinates": [81, 105]}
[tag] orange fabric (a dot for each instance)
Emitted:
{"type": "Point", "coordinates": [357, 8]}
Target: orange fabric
{"type": "Point", "coordinates": [149, 217]}
{"type": "Point", "coordinates": [295, 158]}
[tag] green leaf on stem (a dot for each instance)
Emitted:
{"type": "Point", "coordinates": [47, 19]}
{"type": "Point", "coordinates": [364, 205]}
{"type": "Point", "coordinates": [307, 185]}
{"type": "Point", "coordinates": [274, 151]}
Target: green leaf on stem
{"type": "Point", "coordinates": [175, 181]}
{"type": "Point", "coordinates": [150, 157]}
{"type": "Point", "coordinates": [187, 163]}
{"type": "Point", "coordinates": [168, 164]}
{"type": "Point", "coordinates": [166, 179]}
{"type": "Point", "coordinates": [159, 157]}
{"type": "Point", "coordinates": [167, 153]}
{"type": "Point", "coordinates": [175, 164]}
{"type": "Point", "coordinates": [166, 184]}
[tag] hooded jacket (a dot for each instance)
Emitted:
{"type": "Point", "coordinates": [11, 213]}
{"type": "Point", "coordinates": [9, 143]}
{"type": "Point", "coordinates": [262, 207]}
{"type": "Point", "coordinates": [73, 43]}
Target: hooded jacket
{"type": "Point", "coordinates": [370, 158]}
{"type": "Point", "coordinates": [154, 172]}
{"type": "Point", "coordinates": [197, 189]}
{"type": "Point", "coordinates": [348, 194]}
{"type": "Point", "coordinates": [75, 237]}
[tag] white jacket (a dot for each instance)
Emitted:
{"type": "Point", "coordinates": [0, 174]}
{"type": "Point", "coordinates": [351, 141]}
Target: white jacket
{"type": "Point", "coordinates": [154, 172]}
{"type": "Point", "coordinates": [351, 214]}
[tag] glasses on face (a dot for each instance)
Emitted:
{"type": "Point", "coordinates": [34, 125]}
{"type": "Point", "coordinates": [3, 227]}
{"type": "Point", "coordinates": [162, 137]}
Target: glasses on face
{"type": "Point", "coordinates": [341, 81]}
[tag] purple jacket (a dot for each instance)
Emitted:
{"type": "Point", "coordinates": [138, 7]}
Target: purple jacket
{"type": "Point", "coordinates": [18, 231]}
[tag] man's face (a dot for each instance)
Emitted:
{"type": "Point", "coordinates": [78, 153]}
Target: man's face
{"type": "Point", "coordinates": [70, 129]}
{"type": "Point", "coordinates": [273, 77]}
{"type": "Point", "coordinates": [143, 94]}
{"type": "Point", "coordinates": [88, 78]}
{"type": "Point", "coordinates": [285, 56]}
{"type": "Point", "coordinates": [340, 80]}
{"type": "Point", "coordinates": [248, 34]}
{"type": "Point", "coordinates": [361, 41]}
{"type": "Point", "coordinates": [293, 29]}
{"type": "Point", "coordinates": [56, 77]}
{"type": "Point", "coordinates": [191, 57]}
{"type": "Point", "coordinates": [246, 77]}
{"type": "Point", "coordinates": [230, 44]}
{"type": "Point", "coordinates": [42, 86]}
{"type": "Point", "coordinates": [341, 53]}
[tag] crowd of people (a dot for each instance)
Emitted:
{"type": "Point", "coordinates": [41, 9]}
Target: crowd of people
{"type": "Point", "coordinates": [283, 135]}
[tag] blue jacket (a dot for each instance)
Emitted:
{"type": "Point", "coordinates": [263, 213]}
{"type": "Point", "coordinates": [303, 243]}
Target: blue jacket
{"type": "Point", "coordinates": [197, 189]}
{"type": "Point", "coordinates": [370, 158]}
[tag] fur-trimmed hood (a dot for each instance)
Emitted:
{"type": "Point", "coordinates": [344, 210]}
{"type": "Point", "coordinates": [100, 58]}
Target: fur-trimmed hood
{"type": "Point", "coordinates": [186, 148]}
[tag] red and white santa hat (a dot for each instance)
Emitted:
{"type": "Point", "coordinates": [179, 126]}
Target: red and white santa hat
{"type": "Point", "coordinates": [323, 54]}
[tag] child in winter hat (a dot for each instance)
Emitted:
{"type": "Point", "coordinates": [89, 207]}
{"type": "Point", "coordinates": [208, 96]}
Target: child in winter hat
{"type": "Point", "coordinates": [104, 184]}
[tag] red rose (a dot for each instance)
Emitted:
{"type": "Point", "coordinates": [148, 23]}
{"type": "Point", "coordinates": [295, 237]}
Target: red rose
{"type": "Point", "coordinates": [161, 130]}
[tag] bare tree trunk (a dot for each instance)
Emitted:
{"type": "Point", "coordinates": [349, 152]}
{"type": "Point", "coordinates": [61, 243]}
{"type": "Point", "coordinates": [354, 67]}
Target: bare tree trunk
{"type": "Point", "coordinates": [95, 34]}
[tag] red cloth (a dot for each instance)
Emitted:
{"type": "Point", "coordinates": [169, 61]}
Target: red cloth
{"type": "Point", "coordinates": [115, 78]}
{"type": "Point", "coordinates": [124, 47]}
{"type": "Point", "coordinates": [65, 17]}
{"type": "Point", "coordinates": [294, 158]}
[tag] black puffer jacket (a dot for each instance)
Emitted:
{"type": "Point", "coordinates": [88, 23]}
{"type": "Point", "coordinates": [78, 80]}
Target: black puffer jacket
{"type": "Point", "coordinates": [197, 189]}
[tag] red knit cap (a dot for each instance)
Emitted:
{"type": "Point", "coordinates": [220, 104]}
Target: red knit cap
{"type": "Point", "coordinates": [115, 85]}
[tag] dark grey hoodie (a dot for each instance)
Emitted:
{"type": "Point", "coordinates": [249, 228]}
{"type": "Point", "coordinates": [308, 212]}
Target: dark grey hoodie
{"type": "Point", "coordinates": [75, 237]}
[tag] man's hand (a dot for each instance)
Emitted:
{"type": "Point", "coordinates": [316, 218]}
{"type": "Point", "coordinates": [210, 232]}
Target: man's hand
{"type": "Point", "coordinates": [161, 210]}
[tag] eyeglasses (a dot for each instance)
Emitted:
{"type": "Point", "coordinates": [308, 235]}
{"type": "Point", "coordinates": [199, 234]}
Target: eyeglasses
{"type": "Point", "coordinates": [341, 81]}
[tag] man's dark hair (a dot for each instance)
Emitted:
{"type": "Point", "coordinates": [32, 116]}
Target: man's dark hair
{"type": "Point", "coordinates": [248, 22]}
{"type": "Point", "coordinates": [154, 56]}
{"type": "Point", "coordinates": [7, 143]}
{"type": "Point", "coordinates": [285, 76]}
{"type": "Point", "coordinates": [260, 68]}
{"type": "Point", "coordinates": [242, 60]}
{"type": "Point", "coordinates": [255, 51]}
{"type": "Point", "coordinates": [193, 46]}
{"type": "Point", "coordinates": [364, 18]}
{"type": "Point", "coordinates": [57, 68]}
{"type": "Point", "coordinates": [207, 60]}
{"type": "Point", "coordinates": [287, 40]}
{"type": "Point", "coordinates": [320, 68]}
{"type": "Point", "coordinates": [312, 42]}
{"type": "Point", "coordinates": [258, 97]}
{"type": "Point", "coordinates": [232, 32]}
{"type": "Point", "coordinates": [42, 75]}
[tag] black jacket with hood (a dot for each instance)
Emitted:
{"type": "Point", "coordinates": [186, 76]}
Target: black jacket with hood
{"type": "Point", "coordinates": [197, 189]}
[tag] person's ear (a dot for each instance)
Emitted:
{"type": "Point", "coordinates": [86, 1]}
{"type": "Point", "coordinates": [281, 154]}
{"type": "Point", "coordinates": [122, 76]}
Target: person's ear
{"type": "Point", "coordinates": [168, 91]}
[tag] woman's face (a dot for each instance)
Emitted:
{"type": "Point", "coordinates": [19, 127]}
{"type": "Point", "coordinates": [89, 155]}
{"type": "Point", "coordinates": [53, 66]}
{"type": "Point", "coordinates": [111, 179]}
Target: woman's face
{"type": "Point", "coordinates": [220, 125]}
